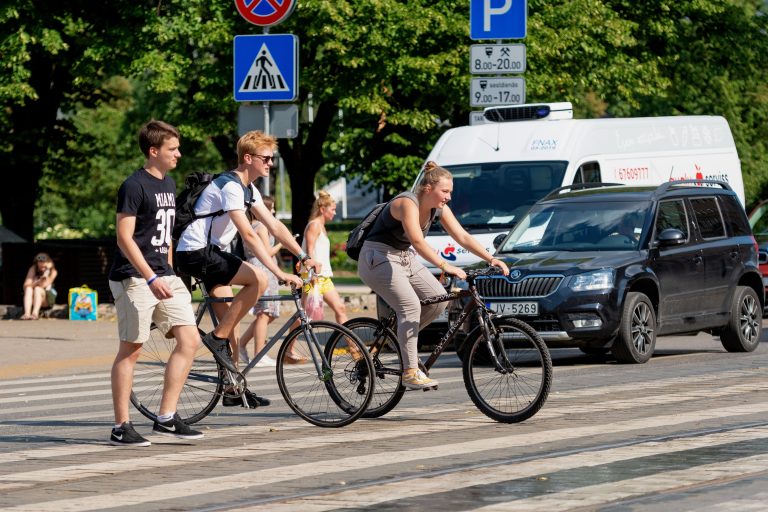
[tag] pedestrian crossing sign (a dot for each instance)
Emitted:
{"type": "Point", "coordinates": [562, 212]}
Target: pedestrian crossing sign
{"type": "Point", "coordinates": [266, 67]}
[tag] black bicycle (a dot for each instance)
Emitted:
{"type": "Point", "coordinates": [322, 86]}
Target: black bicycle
{"type": "Point", "coordinates": [332, 389]}
{"type": "Point", "coordinates": [507, 368]}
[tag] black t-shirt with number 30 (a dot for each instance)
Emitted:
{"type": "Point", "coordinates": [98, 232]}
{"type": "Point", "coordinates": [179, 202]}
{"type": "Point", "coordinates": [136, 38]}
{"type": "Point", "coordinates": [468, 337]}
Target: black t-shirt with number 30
{"type": "Point", "coordinates": [153, 202]}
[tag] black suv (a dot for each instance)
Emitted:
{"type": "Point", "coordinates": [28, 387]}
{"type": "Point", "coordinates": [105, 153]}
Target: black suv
{"type": "Point", "coordinates": [609, 267]}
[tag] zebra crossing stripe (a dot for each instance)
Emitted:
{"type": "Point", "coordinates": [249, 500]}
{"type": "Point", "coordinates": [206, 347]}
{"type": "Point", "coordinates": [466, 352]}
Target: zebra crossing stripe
{"type": "Point", "coordinates": [370, 496]}
{"type": "Point", "coordinates": [268, 476]}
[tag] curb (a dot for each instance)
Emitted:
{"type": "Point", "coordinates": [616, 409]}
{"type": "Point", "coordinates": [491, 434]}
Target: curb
{"type": "Point", "coordinates": [356, 301]}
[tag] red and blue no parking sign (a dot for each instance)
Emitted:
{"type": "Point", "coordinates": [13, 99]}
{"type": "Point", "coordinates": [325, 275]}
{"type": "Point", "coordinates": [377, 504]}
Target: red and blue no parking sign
{"type": "Point", "coordinates": [265, 12]}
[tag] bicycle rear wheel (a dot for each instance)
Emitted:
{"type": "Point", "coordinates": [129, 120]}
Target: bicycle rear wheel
{"type": "Point", "coordinates": [512, 386]}
{"type": "Point", "coordinates": [387, 364]}
{"type": "Point", "coordinates": [340, 393]}
{"type": "Point", "coordinates": [201, 390]}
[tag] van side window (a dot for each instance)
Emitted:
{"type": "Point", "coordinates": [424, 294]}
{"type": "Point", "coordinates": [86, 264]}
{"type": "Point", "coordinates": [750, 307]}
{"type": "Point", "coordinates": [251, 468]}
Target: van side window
{"type": "Point", "coordinates": [672, 215]}
{"type": "Point", "coordinates": [588, 172]}
{"type": "Point", "coordinates": [734, 216]}
{"type": "Point", "coordinates": [708, 217]}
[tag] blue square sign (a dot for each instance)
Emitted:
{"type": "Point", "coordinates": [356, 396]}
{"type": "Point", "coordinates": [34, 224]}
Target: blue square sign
{"type": "Point", "coordinates": [266, 67]}
{"type": "Point", "coordinates": [498, 19]}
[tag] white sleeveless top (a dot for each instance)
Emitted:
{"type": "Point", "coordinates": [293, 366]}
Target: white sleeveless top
{"type": "Point", "coordinates": [322, 252]}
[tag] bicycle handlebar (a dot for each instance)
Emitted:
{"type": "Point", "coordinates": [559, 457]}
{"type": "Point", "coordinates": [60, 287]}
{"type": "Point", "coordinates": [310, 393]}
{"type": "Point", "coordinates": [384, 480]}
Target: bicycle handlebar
{"type": "Point", "coordinates": [487, 271]}
{"type": "Point", "coordinates": [310, 276]}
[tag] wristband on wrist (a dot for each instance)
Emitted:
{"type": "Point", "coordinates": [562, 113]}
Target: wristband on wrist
{"type": "Point", "coordinates": [442, 265]}
{"type": "Point", "coordinates": [302, 256]}
{"type": "Point", "coordinates": [151, 279]}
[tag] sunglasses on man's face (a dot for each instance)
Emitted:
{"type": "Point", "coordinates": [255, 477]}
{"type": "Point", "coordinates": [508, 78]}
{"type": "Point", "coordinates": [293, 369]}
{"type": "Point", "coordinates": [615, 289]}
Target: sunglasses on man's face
{"type": "Point", "coordinates": [265, 158]}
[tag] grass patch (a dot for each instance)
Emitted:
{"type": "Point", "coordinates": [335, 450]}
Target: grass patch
{"type": "Point", "coordinates": [346, 279]}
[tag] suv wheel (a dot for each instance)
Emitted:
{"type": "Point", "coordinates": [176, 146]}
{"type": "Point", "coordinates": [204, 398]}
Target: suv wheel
{"type": "Point", "coordinates": [742, 334]}
{"type": "Point", "coordinates": [637, 332]}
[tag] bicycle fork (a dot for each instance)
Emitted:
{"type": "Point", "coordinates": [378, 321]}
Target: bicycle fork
{"type": "Point", "coordinates": [491, 333]}
{"type": "Point", "coordinates": [322, 366]}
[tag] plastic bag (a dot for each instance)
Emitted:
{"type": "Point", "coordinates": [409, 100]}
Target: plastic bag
{"type": "Point", "coordinates": [314, 304]}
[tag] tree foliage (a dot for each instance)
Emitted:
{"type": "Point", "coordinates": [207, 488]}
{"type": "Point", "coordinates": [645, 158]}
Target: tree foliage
{"type": "Point", "coordinates": [80, 76]}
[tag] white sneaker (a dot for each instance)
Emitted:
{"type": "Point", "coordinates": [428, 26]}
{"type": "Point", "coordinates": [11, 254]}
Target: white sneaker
{"type": "Point", "coordinates": [266, 361]}
{"type": "Point", "coordinates": [244, 359]}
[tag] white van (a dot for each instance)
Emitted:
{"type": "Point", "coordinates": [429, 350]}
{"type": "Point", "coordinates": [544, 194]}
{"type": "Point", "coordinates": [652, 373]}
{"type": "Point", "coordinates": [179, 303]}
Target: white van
{"type": "Point", "coordinates": [521, 153]}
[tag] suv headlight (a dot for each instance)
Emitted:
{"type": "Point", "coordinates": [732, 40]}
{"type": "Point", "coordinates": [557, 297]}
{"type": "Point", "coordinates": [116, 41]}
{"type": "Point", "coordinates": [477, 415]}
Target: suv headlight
{"type": "Point", "coordinates": [597, 280]}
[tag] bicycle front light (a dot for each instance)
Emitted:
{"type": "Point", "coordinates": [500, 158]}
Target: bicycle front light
{"type": "Point", "coordinates": [591, 281]}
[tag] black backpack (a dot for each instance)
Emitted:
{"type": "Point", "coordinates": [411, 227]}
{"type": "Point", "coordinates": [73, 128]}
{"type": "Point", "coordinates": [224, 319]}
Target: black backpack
{"type": "Point", "coordinates": [194, 184]}
{"type": "Point", "coordinates": [358, 235]}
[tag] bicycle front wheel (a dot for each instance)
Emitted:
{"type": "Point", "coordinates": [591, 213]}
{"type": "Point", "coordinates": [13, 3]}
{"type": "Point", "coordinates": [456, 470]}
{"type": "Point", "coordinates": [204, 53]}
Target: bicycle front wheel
{"type": "Point", "coordinates": [201, 390]}
{"type": "Point", "coordinates": [327, 395]}
{"type": "Point", "coordinates": [387, 364]}
{"type": "Point", "coordinates": [508, 376]}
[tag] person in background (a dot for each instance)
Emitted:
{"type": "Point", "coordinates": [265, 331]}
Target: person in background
{"type": "Point", "coordinates": [38, 286]}
{"type": "Point", "coordinates": [145, 288]}
{"type": "Point", "coordinates": [265, 312]}
{"type": "Point", "coordinates": [318, 246]}
{"type": "Point", "coordinates": [388, 264]}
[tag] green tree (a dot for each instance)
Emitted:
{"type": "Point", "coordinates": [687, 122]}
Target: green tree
{"type": "Point", "coordinates": [384, 83]}
{"type": "Point", "coordinates": [54, 56]}
{"type": "Point", "coordinates": [714, 56]}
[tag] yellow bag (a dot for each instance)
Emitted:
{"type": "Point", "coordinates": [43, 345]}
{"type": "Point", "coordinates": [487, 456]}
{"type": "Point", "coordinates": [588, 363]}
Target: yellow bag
{"type": "Point", "coordinates": [83, 303]}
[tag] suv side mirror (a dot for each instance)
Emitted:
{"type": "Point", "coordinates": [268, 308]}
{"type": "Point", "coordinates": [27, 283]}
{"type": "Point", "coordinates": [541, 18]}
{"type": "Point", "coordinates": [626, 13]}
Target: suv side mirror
{"type": "Point", "coordinates": [670, 237]}
{"type": "Point", "coordinates": [498, 239]}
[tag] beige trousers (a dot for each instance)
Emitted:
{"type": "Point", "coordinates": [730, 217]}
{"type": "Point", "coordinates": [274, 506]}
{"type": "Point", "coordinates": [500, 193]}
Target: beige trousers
{"type": "Point", "coordinates": [402, 281]}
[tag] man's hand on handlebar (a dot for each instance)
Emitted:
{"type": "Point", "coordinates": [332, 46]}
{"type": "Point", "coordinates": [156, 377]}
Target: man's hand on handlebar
{"type": "Point", "coordinates": [291, 279]}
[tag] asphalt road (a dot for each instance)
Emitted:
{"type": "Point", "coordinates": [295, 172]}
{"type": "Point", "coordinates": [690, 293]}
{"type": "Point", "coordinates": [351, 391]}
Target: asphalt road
{"type": "Point", "coordinates": [686, 431]}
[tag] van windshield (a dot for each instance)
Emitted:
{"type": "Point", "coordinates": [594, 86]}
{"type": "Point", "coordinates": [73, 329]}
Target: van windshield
{"type": "Point", "coordinates": [496, 195]}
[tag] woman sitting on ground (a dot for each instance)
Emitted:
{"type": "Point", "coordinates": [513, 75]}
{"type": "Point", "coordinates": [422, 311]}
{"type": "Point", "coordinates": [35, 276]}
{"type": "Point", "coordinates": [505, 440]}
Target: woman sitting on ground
{"type": "Point", "coordinates": [38, 286]}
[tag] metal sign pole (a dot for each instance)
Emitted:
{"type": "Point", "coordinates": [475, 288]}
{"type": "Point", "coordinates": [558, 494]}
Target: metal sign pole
{"type": "Point", "coordinates": [265, 105]}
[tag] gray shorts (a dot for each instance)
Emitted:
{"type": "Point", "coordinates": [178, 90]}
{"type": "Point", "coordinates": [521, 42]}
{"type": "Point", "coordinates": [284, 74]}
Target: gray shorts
{"type": "Point", "coordinates": [137, 307]}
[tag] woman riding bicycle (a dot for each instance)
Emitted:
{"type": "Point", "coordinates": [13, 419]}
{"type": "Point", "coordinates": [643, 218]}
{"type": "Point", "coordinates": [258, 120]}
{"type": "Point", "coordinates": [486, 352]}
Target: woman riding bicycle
{"type": "Point", "coordinates": [388, 265]}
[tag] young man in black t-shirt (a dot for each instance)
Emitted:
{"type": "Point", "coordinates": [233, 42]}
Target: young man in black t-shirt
{"type": "Point", "coordinates": [145, 288]}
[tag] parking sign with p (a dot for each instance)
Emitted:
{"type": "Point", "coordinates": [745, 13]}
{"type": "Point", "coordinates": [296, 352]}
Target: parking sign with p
{"type": "Point", "coordinates": [497, 19]}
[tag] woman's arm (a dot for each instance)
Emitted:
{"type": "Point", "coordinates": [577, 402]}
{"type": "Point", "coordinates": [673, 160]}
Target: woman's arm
{"type": "Point", "coordinates": [261, 230]}
{"type": "Point", "coordinates": [51, 278]}
{"type": "Point", "coordinates": [407, 213]}
{"type": "Point", "coordinates": [311, 233]}
{"type": "Point", "coordinates": [467, 241]}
